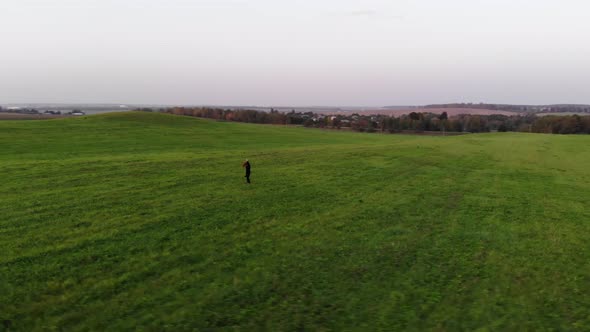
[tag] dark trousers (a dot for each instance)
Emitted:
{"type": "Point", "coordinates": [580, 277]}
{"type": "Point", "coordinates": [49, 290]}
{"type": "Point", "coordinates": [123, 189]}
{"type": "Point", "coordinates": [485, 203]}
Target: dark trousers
{"type": "Point", "coordinates": [248, 177]}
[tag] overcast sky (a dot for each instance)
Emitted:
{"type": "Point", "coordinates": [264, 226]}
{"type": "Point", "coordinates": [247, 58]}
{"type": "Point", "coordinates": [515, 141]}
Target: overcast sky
{"type": "Point", "coordinates": [298, 53]}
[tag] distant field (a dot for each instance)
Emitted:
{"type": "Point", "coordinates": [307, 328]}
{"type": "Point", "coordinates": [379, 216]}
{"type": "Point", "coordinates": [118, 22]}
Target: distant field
{"type": "Point", "coordinates": [141, 221]}
{"type": "Point", "coordinates": [450, 111]}
{"type": "Point", "coordinates": [19, 116]}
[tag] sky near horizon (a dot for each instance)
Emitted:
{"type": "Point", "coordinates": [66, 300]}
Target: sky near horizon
{"type": "Point", "coordinates": [295, 53]}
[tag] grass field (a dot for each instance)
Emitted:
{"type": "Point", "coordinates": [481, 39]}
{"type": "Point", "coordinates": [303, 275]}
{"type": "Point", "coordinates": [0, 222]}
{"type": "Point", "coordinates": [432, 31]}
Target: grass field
{"type": "Point", "coordinates": [143, 221]}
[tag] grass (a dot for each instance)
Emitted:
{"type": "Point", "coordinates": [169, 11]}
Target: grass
{"type": "Point", "coordinates": [143, 221]}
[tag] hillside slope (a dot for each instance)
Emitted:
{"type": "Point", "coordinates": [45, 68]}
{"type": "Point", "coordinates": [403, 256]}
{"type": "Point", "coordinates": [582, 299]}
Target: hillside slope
{"type": "Point", "coordinates": [130, 220]}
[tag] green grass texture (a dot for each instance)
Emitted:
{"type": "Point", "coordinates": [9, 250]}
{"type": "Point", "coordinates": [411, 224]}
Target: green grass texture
{"type": "Point", "coordinates": [143, 221]}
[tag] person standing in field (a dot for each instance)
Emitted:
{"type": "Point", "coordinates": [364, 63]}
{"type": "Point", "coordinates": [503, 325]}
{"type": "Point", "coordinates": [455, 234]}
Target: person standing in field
{"type": "Point", "coordinates": [246, 165]}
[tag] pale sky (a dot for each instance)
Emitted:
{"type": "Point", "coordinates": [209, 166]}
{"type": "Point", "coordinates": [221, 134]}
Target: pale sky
{"type": "Point", "coordinates": [295, 53]}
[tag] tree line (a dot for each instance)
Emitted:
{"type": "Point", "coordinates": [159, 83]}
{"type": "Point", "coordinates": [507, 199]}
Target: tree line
{"type": "Point", "coordinates": [414, 122]}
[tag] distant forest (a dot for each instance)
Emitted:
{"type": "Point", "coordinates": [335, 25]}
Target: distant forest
{"type": "Point", "coordinates": [413, 122]}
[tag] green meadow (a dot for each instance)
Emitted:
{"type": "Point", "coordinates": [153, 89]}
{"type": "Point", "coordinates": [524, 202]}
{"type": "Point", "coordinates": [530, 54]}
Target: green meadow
{"type": "Point", "coordinates": [142, 221]}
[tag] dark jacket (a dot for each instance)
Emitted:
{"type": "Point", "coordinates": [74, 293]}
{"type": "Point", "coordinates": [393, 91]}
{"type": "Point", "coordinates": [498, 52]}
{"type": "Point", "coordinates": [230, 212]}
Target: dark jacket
{"type": "Point", "coordinates": [247, 166]}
